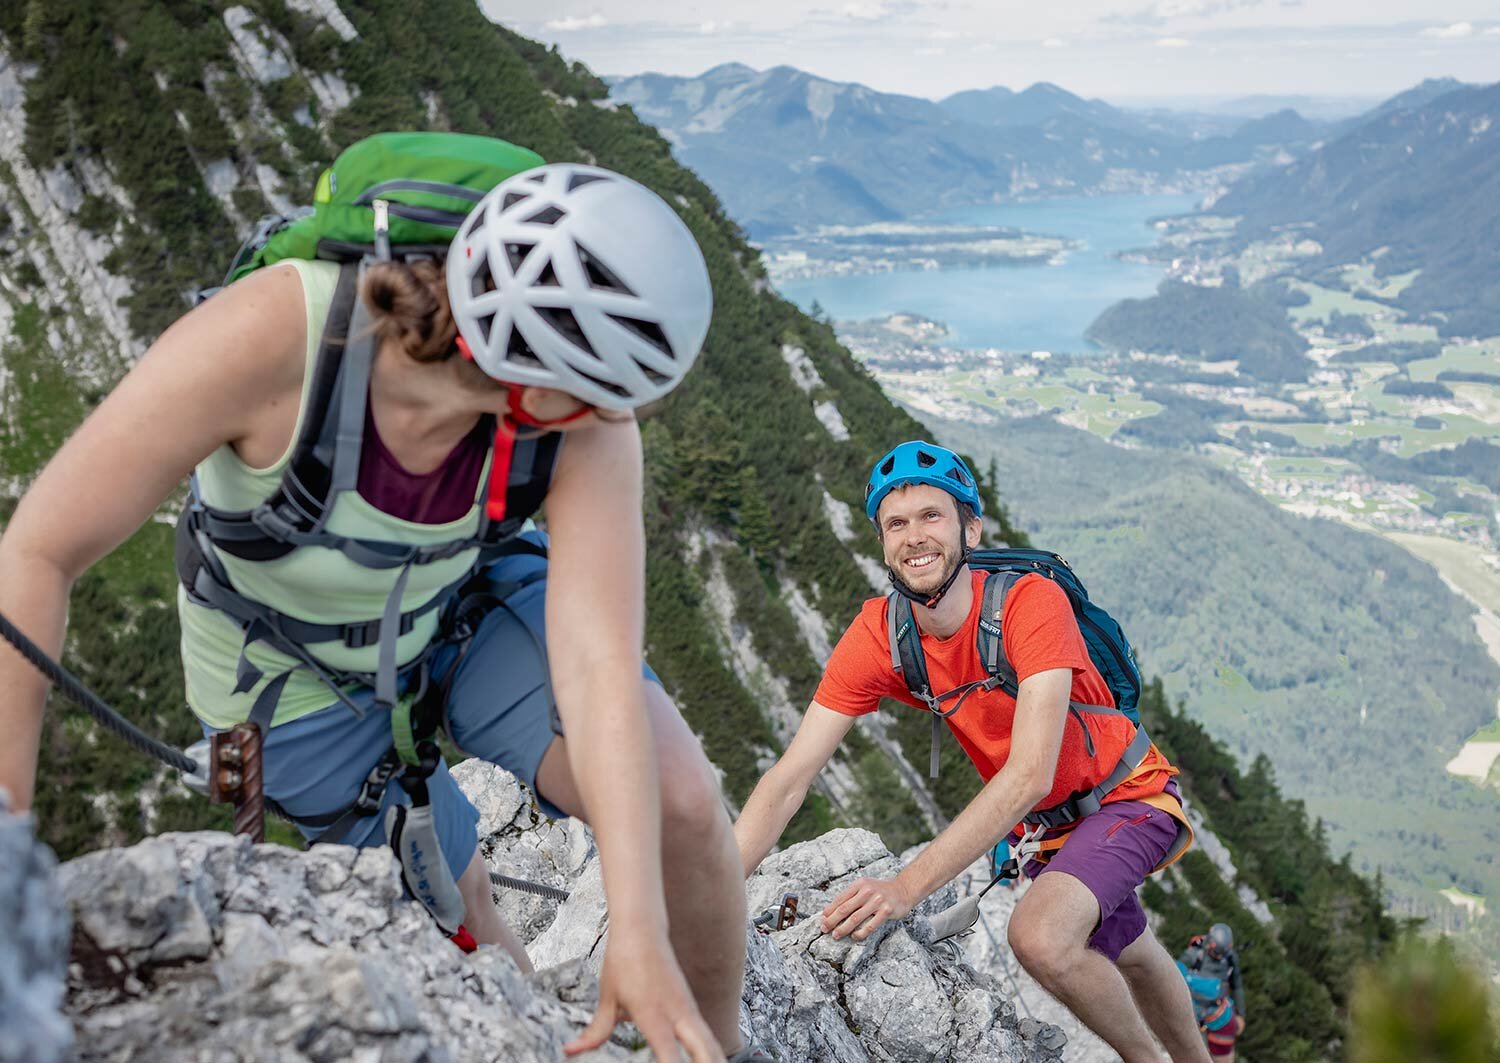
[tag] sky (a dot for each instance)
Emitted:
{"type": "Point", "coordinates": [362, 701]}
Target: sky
{"type": "Point", "coordinates": [1119, 50]}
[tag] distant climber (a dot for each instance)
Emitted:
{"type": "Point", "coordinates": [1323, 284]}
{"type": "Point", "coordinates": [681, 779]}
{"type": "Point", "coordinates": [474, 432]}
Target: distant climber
{"type": "Point", "coordinates": [1053, 749]}
{"type": "Point", "coordinates": [1212, 972]}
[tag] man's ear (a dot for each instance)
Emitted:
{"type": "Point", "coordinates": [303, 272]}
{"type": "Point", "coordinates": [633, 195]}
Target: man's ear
{"type": "Point", "coordinates": [973, 533]}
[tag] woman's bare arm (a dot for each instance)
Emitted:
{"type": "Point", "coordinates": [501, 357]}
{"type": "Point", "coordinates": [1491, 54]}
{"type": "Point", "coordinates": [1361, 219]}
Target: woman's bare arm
{"type": "Point", "coordinates": [218, 375]}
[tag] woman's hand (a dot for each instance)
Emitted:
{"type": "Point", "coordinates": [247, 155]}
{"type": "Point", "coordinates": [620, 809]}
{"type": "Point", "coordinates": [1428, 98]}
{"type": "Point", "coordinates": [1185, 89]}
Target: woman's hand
{"type": "Point", "coordinates": [642, 982]}
{"type": "Point", "coordinates": [864, 906]}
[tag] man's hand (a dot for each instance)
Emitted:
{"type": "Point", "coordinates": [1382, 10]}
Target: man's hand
{"type": "Point", "coordinates": [864, 906]}
{"type": "Point", "coordinates": [642, 982]}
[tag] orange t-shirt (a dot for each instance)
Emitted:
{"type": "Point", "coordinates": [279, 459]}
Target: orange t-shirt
{"type": "Point", "coordinates": [1040, 634]}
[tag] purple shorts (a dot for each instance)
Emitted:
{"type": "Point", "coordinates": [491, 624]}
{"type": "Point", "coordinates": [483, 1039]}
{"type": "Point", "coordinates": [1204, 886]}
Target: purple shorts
{"type": "Point", "coordinates": [1112, 852]}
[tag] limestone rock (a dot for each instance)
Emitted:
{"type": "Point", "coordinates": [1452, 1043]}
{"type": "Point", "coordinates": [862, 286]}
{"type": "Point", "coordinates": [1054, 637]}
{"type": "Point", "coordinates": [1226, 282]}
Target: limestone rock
{"type": "Point", "coordinates": [33, 947]}
{"type": "Point", "coordinates": [205, 947]}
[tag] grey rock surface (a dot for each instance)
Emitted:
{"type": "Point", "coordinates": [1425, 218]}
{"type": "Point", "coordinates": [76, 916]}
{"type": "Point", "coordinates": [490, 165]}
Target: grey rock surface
{"type": "Point", "coordinates": [204, 947]}
{"type": "Point", "coordinates": [33, 947]}
{"type": "Point", "coordinates": [891, 998]}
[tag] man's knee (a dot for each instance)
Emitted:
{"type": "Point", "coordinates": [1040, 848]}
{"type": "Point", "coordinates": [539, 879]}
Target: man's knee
{"type": "Point", "coordinates": [1041, 949]}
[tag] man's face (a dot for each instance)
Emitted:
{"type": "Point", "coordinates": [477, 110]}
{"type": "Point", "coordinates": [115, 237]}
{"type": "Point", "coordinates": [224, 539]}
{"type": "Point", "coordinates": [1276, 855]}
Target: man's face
{"type": "Point", "coordinates": [922, 536]}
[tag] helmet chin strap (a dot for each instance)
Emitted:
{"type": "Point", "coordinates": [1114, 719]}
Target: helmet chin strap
{"type": "Point", "coordinates": [930, 601]}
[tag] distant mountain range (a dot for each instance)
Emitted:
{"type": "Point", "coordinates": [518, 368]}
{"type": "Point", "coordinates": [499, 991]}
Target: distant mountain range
{"type": "Point", "coordinates": [1414, 185]}
{"type": "Point", "coordinates": [785, 149]}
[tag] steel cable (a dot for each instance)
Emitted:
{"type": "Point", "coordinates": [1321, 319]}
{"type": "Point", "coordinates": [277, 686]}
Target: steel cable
{"type": "Point", "coordinates": [74, 689]}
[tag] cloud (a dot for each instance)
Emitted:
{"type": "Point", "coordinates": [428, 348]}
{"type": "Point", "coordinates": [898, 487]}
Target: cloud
{"type": "Point", "coordinates": [1173, 42]}
{"type": "Point", "coordinates": [1163, 11]}
{"type": "Point", "coordinates": [571, 23]}
{"type": "Point", "coordinates": [944, 35]}
{"type": "Point", "coordinates": [1054, 42]}
{"type": "Point", "coordinates": [1450, 33]}
{"type": "Point", "coordinates": [1493, 31]}
{"type": "Point", "coordinates": [712, 27]}
{"type": "Point", "coordinates": [864, 10]}
{"type": "Point", "coordinates": [930, 51]}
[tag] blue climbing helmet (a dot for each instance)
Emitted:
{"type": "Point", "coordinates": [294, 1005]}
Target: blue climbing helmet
{"type": "Point", "coordinates": [921, 462]}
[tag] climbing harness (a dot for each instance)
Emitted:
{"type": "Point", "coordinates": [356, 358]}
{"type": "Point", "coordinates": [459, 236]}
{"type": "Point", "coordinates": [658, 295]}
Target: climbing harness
{"type": "Point", "coordinates": [226, 766]}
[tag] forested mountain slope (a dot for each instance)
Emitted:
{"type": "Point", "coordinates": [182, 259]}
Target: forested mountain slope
{"type": "Point", "coordinates": [1336, 656]}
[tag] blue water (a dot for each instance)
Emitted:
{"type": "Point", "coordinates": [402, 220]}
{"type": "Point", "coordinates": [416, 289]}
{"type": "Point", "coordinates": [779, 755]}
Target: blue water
{"type": "Point", "coordinates": [1017, 308]}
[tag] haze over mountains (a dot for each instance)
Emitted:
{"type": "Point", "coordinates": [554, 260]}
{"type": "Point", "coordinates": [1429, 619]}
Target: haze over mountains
{"type": "Point", "coordinates": [785, 149]}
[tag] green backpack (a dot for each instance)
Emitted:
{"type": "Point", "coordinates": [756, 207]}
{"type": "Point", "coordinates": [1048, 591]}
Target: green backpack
{"type": "Point", "coordinates": [389, 195]}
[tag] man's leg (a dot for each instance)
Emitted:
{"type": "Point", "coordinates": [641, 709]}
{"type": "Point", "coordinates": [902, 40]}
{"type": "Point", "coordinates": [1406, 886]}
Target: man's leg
{"type": "Point", "coordinates": [1163, 998]}
{"type": "Point", "coordinates": [1049, 933]}
{"type": "Point", "coordinates": [705, 889]}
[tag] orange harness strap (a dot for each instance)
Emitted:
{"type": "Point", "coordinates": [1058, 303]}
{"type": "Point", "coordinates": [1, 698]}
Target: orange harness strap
{"type": "Point", "coordinates": [1164, 801]}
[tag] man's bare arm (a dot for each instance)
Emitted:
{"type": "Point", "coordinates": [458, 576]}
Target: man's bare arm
{"type": "Point", "coordinates": [780, 792]}
{"type": "Point", "coordinates": [1026, 778]}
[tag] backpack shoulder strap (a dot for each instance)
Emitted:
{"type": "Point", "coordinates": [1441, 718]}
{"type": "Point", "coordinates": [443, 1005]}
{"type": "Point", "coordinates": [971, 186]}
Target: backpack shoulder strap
{"type": "Point", "coordinates": [299, 500]}
{"type": "Point", "coordinates": [990, 639]}
{"type": "Point", "coordinates": [907, 658]}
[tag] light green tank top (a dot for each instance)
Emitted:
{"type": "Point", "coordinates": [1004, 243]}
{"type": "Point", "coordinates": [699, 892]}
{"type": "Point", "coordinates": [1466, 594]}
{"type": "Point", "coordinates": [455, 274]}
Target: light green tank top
{"type": "Point", "coordinates": [314, 584]}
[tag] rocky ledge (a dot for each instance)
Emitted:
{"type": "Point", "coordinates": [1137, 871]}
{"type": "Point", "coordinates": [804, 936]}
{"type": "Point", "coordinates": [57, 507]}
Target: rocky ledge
{"type": "Point", "coordinates": [203, 947]}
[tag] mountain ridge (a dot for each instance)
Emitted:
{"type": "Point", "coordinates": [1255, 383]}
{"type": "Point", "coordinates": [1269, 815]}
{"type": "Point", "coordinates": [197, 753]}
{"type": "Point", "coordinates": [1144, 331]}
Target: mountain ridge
{"type": "Point", "coordinates": [1410, 188]}
{"type": "Point", "coordinates": [787, 149]}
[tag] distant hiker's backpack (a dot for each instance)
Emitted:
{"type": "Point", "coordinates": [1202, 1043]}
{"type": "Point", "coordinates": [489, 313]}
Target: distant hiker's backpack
{"type": "Point", "coordinates": [1209, 989]}
{"type": "Point", "coordinates": [1107, 645]}
{"type": "Point", "coordinates": [390, 195]}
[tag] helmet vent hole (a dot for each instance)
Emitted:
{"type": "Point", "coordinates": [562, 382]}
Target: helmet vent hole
{"type": "Point", "coordinates": [563, 321]}
{"type": "Point", "coordinates": [887, 466]}
{"type": "Point", "coordinates": [472, 225]}
{"type": "Point", "coordinates": [536, 178]}
{"type": "Point", "coordinates": [548, 277]}
{"type": "Point", "coordinates": [512, 198]}
{"type": "Point", "coordinates": [925, 460]}
{"type": "Point", "coordinates": [518, 351]}
{"type": "Point", "coordinates": [649, 331]}
{"type": "Point", "coordinates": [485, 323]}
{"type": "Point", "coordinates": [516, 254]}
{"type": "Point", "coordinates": [599, 274]}
{"type": "Point", "coordinates": [958, 474]}
{"type": "Point", "coordinates": [578, 180]}
{"type": "Point", "coordinates": [609, 386]}
{"type": "Point", "coordinates": [481, 280]}
{"type": "Point", "coordinates": [548, 215]}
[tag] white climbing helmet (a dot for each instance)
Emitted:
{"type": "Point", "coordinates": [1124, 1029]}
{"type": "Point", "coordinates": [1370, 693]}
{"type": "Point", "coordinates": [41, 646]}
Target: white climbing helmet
{"type": "Point", "coordinates": [577, 278]}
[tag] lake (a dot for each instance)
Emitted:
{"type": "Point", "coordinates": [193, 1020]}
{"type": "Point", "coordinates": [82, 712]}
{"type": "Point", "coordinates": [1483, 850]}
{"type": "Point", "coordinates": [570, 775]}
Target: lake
{"type": "Point", "coordinates": [1022, 307]}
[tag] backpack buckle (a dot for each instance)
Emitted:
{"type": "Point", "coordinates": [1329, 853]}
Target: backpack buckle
{"type": "Point", "coordinates": [382, 210]}
{"type": "Point", "coordinates": [367, 633]}
{"type": "Point", "coordinates": [272, 523]}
